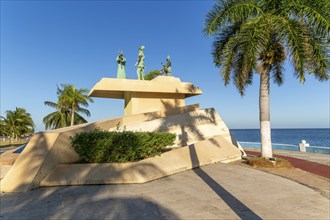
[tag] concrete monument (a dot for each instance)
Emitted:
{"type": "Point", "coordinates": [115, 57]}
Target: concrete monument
{"type": "Point", "coordinates": [156, 105]}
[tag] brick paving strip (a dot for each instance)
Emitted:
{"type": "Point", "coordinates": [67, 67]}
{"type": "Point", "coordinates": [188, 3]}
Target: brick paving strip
{"type": "Point", "coordinates": [312, 167]}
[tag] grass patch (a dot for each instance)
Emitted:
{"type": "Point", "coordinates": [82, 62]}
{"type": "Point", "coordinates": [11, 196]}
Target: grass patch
{"type": "Point", "coordinates": [261, 162]}
{"type": "Point", "coordinates": [4, 144]}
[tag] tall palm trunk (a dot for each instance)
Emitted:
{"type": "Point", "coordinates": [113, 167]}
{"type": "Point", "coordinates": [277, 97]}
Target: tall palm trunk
{"type": "Point", "coordinates": [72, 115]}
{"type": "Point", "coordinates": [264, 111]}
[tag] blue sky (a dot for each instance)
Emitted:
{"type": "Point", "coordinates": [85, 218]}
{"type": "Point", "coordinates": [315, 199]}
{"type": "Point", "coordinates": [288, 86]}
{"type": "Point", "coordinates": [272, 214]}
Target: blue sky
{"type": "Point", "coordinates": [46, 43]}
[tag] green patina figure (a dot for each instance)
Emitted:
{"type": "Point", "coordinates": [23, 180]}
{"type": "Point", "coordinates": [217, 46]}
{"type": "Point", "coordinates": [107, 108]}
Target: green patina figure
{"type": "Point", "coordinates": [167, 68]}
{"type": "Point", "coordinates": [121, 71]}
{"type": "Point", "coordinates": [140, 64]}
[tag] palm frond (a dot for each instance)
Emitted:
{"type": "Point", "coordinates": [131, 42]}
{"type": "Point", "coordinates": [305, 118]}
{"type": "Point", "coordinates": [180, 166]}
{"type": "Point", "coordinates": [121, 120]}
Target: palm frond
{"type": "Point", "coordinates": [84, 111]}
{"type": "Point", "coordinates": [56, 119]}
{"type": "Point", "coordinates": [317, 54]}
{"type": "Point", "coordinates": [228, 57]}
{"type": "Point", "coordinates": [229, 12]}
{"type": "Point", "coordinates": [51, 104]}
{"type": "Point", "coordinates": [242, 74]}
{"type": "Point", "coordinates": [294, 34]}
{"type": "Point", "coordinates": [277, 73]}
{"type": "Point", "coordinates": [316, 14]}
{"type": "Point", "coordinates": [222, 40]}
{"type": "Point", "coordinates": [79, 119]}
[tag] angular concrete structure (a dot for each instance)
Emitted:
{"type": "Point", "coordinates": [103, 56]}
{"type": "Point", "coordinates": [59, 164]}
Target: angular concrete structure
{"type": "Point", "coordinates": [146, 96]}
{"type": "Point", "coordinates": [48, 159]}
{"type": "Point", "coordinates": [180, 159]}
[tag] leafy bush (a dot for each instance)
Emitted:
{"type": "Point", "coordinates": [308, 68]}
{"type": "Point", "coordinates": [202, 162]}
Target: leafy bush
{"type": "Point", "coordinates": [115, 146]}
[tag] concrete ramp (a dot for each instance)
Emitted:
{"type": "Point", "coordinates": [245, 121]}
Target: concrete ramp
{"type": "Point", "coordinates": [208, 151]}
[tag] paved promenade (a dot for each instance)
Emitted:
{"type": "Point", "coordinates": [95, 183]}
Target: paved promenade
{"type": "Point", "coordinates": [218, 191]}
{"type": "Point", "coordinates": [311, 162]}
{"type": "Point", "coordinates": [313, 157]}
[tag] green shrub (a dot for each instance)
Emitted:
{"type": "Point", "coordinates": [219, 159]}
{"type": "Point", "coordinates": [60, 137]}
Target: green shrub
{"type": "Point", "coordinates": [120, 146]}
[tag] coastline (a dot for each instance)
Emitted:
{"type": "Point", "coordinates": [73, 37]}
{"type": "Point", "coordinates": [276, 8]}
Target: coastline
{"type": "Point", "coordinates": [288, 138]}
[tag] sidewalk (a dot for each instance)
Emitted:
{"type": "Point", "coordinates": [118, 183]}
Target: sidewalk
{"type": "Point", "coordinates": [218, 191]}
{"type": "Point", "coordinates": [311, 162]}
{"type": "Point", "coordinates": [313, 157]}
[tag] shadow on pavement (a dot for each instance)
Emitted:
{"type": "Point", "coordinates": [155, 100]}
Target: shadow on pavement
{"type": "Point", "coordinates": [80, 202]}
{"type": "Point", "coordinates": [236, 205]}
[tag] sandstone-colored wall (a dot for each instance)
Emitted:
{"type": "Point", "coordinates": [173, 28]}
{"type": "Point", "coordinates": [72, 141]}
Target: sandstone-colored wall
{"type": "Point", "coordinates": [8, 157]}
{"type": "Point", "coordinates": [189, 127]}
{"type": "Point", "coordinates": [208, 151]}
{"type": "Point", "coordinates": [140, 102]}
{"type": "Point", "coordinates": [47, 149]}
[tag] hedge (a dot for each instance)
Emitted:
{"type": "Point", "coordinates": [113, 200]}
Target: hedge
{"type": "Point", "coordinates": [120, 146]}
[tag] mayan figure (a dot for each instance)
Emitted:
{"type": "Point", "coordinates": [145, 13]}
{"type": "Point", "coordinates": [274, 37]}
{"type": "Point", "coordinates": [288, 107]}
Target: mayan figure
{"type": "Point", "coordinates": [167, 68]}
{"type": "Point", "coordinates": [140, 64]}
{"type": "Point", "coordinates": [121, 71]}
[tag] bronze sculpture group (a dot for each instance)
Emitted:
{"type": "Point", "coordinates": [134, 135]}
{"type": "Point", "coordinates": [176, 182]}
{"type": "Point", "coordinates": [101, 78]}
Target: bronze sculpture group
{"type": "Point", "coordinates": [141, 67]}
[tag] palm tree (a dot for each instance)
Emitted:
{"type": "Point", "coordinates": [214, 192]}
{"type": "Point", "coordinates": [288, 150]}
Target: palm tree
{"type": "Point", "coordinates": [72, 98]}
{"type": "Point", "coordinates": [17, 123]}
{"type": "Point", "coordinates": [257, 36]}
{"type": "Point", "coordinates": [67, 107]}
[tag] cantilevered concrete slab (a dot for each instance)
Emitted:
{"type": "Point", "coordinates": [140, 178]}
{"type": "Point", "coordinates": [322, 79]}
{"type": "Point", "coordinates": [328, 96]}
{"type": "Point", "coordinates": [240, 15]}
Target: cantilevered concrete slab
{"type": "Point", "coordinates": [146, 96]}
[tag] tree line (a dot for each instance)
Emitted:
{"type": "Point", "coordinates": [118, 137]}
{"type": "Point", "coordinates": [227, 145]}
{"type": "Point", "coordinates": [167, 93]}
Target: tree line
{"type": "Point", "coordinates": [69, 109]}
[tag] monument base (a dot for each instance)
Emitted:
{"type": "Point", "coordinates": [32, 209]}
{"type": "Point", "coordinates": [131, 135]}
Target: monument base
{"type": "Point", "coordinates": [205, 136]}
{"type": "Point", "coordinates": [205, 152]}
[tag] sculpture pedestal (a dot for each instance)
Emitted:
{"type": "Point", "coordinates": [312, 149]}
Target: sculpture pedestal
{"type": "Point", "coordinates": [161, 93]}
{"type": "Point", "coordinates": [141, 102]}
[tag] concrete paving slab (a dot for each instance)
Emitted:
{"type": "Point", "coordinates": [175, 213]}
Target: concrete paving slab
{"type": "Point", "coordinates": [218, 191]}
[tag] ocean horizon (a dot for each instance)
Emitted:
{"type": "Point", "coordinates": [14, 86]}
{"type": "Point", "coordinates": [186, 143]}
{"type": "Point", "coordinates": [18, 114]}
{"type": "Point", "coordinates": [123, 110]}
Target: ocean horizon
{"type": "Point", "coordinates": [319, 137]}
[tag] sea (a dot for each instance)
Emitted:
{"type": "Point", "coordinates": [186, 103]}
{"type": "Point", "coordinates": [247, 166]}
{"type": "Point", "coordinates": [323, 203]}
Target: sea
{"type": "Point", "coordinates": [319, 137]}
